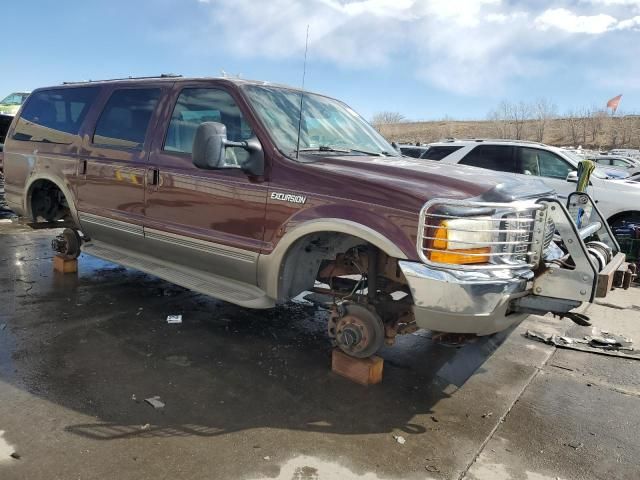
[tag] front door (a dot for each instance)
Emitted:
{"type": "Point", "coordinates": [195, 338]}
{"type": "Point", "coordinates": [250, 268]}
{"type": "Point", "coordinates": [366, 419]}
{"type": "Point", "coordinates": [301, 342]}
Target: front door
{"type": "Point", "coordinates": [551, 168]}
{"type": "Point", "coordinates": [211, 220]}
{"type": "Point", "coordinates": [111, 173]}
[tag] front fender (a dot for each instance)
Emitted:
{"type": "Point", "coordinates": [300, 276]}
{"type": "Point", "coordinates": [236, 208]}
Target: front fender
{"type": "Point", "coordinates": [269, 266]}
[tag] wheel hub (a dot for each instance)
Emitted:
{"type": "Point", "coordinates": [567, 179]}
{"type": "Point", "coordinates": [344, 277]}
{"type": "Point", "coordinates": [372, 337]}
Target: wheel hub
{"type": "Point", "coordinates": [356, 331]}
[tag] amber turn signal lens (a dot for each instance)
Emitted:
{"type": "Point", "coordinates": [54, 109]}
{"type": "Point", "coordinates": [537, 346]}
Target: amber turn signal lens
{"type": "Point", "coordinates": [466, 256]}
{"type": "Point", "coordinates": [461, 257]}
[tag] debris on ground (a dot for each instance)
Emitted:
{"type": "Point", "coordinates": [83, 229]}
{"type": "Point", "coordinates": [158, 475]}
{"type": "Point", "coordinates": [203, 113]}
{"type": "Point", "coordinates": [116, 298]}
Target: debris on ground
{"type": "Point", "coordinates": [487, 415]}
{"type": "Point", "coordinates": [575, 445]}
{"type": "Point", "coordinates": [3, 326]}
{"type": "Point", "coordinates": [601, 342]}
{"type": "Point", "coordinates": [266, 458]}
{"type": "Point", "coordinates": [431, 468]}
{"type": "Point", "coordinates": [174, 319]}
{"type": "Point", "coordinates": [179, 360]}
{"type": "Point", "coordinates": [146, 426]}
{"type": "Point", "coordinates": [400, 439]}
{"type": "Point", "coordinates": [15, 455]}
{"type": "Point", "coordinates": [155, 402]}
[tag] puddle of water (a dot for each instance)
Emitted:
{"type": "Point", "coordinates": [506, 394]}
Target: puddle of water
{"type": "Point", "coordinates": [311, 468]}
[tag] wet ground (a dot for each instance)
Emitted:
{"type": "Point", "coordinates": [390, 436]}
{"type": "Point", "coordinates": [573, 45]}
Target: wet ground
{"type": "Point", "coordinates": [249, 394]}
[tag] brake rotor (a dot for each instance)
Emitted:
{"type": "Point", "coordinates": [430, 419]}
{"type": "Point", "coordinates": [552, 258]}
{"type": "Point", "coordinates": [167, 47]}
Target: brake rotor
{"type": "Point", "coordinates": [67, 244]}
{"type": "Point", "coordinates": [356, 331]}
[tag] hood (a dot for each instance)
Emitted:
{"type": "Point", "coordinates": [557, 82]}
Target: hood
{"type": "Point", "coordinates": [423, 180]}
{"type": "Point", "coordinates": [9, 109]}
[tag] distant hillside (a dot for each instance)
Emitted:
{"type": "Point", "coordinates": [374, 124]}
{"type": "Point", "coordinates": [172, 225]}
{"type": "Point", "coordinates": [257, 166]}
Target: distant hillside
{"type": "Point", "coordinates": [591, 132]}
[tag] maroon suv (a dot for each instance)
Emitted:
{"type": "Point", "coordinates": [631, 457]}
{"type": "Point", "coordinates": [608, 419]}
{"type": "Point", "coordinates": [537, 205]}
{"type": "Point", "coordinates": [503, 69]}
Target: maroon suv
{"type": "Point", "coordinates": [253, 193]}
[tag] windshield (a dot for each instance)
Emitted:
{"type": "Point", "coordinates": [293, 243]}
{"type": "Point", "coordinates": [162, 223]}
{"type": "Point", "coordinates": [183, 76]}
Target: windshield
{"type": "Point", "coordinates": [14, 99]}
{"type": "Point", "coordinates": [327, 125]}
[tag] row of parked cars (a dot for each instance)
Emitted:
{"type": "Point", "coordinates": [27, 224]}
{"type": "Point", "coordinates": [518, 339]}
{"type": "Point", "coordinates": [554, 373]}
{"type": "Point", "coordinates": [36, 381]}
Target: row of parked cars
{"type": "Point", "coordinates": [614, 185]}
{"type": "Point", "coordinates": [256, 193]}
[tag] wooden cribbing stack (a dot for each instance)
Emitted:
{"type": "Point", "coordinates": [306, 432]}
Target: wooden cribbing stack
{"type": "Point", "coordinates": [63, 264]}
{"type": "Point", "coordinates": [365, 371]}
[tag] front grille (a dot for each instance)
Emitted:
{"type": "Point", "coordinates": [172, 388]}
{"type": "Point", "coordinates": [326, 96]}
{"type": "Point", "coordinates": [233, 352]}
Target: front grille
{"type": "Point", "coordinates": [510, 229]}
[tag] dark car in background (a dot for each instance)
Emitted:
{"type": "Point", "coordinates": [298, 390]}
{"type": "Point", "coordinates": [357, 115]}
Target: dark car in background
{"type": "Point", "coordinates": [5, 122]}
{"type": "Point", "coordinates": [428, 152]}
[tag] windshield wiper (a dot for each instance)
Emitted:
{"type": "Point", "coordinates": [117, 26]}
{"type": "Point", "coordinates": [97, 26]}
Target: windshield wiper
{"type": "Point", "coordinates": [324, 148]}
{"type": "Point", "coordinates": [328, 148]}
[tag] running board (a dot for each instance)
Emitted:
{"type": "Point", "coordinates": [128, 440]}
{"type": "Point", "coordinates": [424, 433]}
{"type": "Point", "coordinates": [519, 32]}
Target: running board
{"type": "Point", "coordinates": [229, 290]}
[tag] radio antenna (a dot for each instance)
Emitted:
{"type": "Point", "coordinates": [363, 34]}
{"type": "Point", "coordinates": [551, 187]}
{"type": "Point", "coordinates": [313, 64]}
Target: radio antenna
{"type": "Point", "coordinates": [304, 73]}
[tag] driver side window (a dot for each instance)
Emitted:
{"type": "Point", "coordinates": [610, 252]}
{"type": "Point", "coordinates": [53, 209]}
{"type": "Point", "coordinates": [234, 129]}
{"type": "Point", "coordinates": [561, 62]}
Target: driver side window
{"type": "Point", "coordinates": [198, 105]}
{"type": "Point", "coordinates": [543, 163]}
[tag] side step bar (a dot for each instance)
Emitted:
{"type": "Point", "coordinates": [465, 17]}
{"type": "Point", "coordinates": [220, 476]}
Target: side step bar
{"type": "Point", "coordinates": [231, 291]}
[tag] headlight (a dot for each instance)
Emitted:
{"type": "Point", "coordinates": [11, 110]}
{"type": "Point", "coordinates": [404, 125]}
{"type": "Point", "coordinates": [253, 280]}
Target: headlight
{"type": "Point", "coordinates": [463, 241]}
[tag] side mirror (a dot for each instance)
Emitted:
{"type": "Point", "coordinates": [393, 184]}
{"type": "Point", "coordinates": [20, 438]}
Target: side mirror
{"type": "Point", "coordinates": [209, 146]}
{"type": "Point", "coordinates": [210, 150]}
{"type": "Point", "coordinates": [572, 177]}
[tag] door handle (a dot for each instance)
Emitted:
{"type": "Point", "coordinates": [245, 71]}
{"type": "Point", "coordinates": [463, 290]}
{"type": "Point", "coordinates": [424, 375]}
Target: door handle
{"type": "Point", "coordinates": [153, 177]}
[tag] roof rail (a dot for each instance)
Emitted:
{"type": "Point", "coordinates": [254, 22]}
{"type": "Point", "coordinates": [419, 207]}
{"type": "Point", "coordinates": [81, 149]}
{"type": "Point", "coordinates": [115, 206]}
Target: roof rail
{"type": "Point", "coordinates": [162, 75]}
{"type": "Point", "coordinates": [479, 140]}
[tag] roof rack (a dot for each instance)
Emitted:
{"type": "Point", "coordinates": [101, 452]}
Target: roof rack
{"type": "Point", "coordinates": [479, 140]}
{"type": "Point", "coordinates": [162, 75]}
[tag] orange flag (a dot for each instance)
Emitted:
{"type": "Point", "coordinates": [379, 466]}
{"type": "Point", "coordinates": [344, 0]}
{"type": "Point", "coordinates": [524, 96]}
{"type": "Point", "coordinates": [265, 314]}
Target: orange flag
{"type": "Point", "coordinates": [614, 102]}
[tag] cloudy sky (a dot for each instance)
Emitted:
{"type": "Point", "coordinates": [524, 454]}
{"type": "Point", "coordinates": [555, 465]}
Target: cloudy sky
{"type": "Point", "coordinates": [427, 59]}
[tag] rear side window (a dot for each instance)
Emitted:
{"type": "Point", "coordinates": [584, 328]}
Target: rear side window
{"type": "Point", "coordinates": [493, 157]}
{"type": "Point", "coordinates": [54, 116]}
{"type": "Point", "coordinates": [438, 153]}
{"type": "Point", "coordinates": [125, 118]}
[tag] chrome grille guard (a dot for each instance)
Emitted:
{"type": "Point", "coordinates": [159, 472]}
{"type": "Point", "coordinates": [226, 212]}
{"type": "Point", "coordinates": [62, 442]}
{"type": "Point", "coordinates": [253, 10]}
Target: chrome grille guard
{"type": "Point", "coordinates": [519, 230]}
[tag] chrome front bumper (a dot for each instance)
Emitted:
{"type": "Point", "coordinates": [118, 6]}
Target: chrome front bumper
{"type": "Point", "coordinates": [474, 302]}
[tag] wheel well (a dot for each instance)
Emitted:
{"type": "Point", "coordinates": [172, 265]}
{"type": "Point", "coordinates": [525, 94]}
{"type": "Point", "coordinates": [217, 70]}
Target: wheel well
{"type": "Point", "coordinates": [621, 215]}
{"type": "Point", "coordinates": [302, 262]}
{"type": "Point", "coordinates": [47, 202]}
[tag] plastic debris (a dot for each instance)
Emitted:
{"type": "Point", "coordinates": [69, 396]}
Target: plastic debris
{"type": "Point", "coordinates": [155, 402]}
{"type": "Point", "coordinates": [400, 439]}
{"type": "Point", "coordinates": [174, 319]}
{"type": "Point", "coordinates": [266, 458]}
{"type": "Point", "coordinates": [146, 426]}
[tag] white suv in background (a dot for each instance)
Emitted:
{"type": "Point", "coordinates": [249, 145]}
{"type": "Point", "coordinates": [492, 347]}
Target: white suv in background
{"type": "Point", "coordinates": [617, 198]}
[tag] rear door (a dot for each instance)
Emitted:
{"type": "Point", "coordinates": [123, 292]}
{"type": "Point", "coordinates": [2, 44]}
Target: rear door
{"type": "Point", "coordinates": [113, 163]}
{"type": "Point", "coordinates": [493, 157]}
{"type": "Point", "coordinates": [212, 220]}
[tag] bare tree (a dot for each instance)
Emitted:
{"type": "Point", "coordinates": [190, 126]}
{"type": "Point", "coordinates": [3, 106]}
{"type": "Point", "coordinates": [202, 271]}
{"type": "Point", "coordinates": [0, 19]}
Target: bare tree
{"type": "Point", "coordinates": [386, 118]}
{"type": "Point", "coordinates": [499, 119]}
{"type": "Point", "coordinates": [543, 112]}
{"type": "Point", "coordinates": [520, 113]}
{"type": "Point", "coordinates": [572, 124]}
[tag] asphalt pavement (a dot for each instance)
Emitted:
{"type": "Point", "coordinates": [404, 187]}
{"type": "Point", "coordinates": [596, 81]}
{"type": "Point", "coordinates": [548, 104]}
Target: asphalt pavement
{"type": "Point", "coordinates": [249, 394]}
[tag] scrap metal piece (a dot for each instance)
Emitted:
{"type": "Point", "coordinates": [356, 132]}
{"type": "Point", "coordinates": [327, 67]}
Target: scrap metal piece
{"type": "Point", "coordinates": [621, 348]}
{"type": "Point", "coordinates": [155, 402]}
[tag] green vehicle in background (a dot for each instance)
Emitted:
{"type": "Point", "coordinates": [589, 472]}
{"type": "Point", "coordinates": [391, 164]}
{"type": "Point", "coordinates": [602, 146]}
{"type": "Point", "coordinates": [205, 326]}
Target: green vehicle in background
{"type": "Point", "coordinates": [10, 104]}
